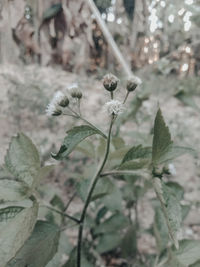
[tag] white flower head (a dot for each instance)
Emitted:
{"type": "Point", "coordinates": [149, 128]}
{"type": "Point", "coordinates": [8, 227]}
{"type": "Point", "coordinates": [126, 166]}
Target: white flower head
{"type": "Point", "coordinates": [53, 107]}
{"type": "Point", "coordinates": [114, 107]}
{"type": "Point", "coordinates": [73, 86]}
{"type": "Point", "coordinates": [172, 169]}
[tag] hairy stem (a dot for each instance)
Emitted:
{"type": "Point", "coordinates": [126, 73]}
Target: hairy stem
{"type": "Point", "coordinates": [90, 192]}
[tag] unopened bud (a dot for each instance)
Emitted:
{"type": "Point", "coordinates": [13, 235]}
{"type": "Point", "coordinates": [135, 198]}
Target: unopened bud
{"type": "Point", "coordinates": [110, 82]}
{"type": "Point", "coordinates": [57, 112]}
{"type": "Point", "coordinates": [132, 83]}
{"type": "Point", "coordinates": [64, 102]}
{"type": "Point", "coordinates": [76, 94]}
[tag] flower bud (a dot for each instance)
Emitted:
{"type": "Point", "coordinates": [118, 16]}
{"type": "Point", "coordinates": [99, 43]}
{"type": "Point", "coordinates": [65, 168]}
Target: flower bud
{"type": "Point", "coordinates": [132, 83]}
{"type": "Point", "coordinates": [76, 94]}
{"type": "Point", "coordinates": [57, 112]}
{"type": "Point", "coordinates": [64, 102]}
{"type": "Point", "coordinates": [110, 82]}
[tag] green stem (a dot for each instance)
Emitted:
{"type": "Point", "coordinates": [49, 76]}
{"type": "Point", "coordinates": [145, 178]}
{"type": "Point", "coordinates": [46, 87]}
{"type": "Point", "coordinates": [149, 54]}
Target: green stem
{"type": "Point", "coordinates": [127, 94]}
{"type": "Point", "coordinates": [90, 192]}
{"type": "Point", "coordinates": [62, 213]}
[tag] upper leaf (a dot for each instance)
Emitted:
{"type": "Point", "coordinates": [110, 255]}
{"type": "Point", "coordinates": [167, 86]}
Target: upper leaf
{"type": "Point", "coordinates": [22, 159]}
{"type": "Point", "coordinates": [73, 138]}
{"type": "Point", "coordinates": [137, 152]}
{"type": "Point", "coordinates": [44, 243]}
{"type": "Point", "coordinates": [161, 139]}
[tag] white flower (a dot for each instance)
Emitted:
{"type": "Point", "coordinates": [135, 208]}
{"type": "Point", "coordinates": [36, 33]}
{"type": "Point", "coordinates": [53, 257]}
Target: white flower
{"type": "Point", "coordinates": [72, 87]}
{"type": "Point", "coordinates": [53, 107]}
{"type": "Point", "coordinates": [114, 107]}
{"type": "Point", "coordinates": [172, 169]}
{"type": "Point", "coordinates": [58, 97]}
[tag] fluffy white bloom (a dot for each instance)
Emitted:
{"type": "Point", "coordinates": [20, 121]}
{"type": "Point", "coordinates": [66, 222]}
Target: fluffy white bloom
{"type": "Point", "coordinates": [72, 87]}
{"type": "Point", "coordinates": [172, 169]}
{"type": "Point", "coordinates": [52, 108]}
{"type": "Point", "coordinates": [114, 107]}
{"type": "Point", "coordinates": [58, 97]}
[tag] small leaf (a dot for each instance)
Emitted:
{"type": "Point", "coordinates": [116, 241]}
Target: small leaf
{"type": "Point", "coordinates": [22, 159]}
{"type": "Point", "coordinates": [108, 242]}
{"type": "Point", "coordinates": [44, 243]}
{"type": "Point", "coordinates": [52, 11]}
{"type": "Point", "coordinates": [175, 152]}
{"type": "Point", "coordinates": [129, 243]}
{"type": "Point", "coordinates": [161, 139]}
{"type": "Point", "coordinates": [73, 138]}
{"type": "Point", "coordinates": [16, 231]}
{"type": "Point", "coordinates": [134, 165]}
{"type": "Point", "coordinates": [138, 152]}
{"type": "Point", "coordinates": [115, 223]}
{"type": "Point", "coordinates": [42, 173]}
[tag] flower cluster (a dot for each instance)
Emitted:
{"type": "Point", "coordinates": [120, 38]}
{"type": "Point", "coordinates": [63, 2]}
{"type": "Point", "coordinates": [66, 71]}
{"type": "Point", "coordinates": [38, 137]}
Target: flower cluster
{"type": "Point", "coordinates": [54, 107]}
{"type": "Point", "coordinates": [114, 107]}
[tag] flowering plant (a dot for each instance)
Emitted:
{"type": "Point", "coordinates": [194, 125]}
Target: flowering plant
{"type": "Point", "coordinates": [112, 225]}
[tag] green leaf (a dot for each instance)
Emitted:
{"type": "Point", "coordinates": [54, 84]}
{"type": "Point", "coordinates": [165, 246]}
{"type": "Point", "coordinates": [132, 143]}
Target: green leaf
{"type": "Point", "coordinates": [129, 243]}
{"type": "Point", "coordinates": [16, 231]}
{"type": "Point", "coordinates": [134, 165]}
{"type": "Point", "coordinates": [42, 173]}
{"type": "Point", "coordinates": [73, 138]}
{"type": "Point", "coordinates": [138, 152]}
{"type": "Point", "coordinates": [22, 159]}
{"type": "Point", "coordinates": [161, 139]}
{"type": "Point", "coordinates": [170, 207]}
{"type": "Point", "coordinates": [9, 213]}
{"type": "Point", "coordinates": [160, 230]}
{"type": "Point", "coordinates": [176, 189]}
{"type": "Point", "coordinates": [13, 190]}
{"type": "Point", "coordinates": [115, 223]}
{"type": "Point", "coordinates": [43, 242]}
{"type": "Point", "coordinates": [188, 252]}
{"type": "Point", "coordinates": [108, 242]}
{"type": "Point", "coordinates": [175, 152]}
{"type": "Point", "coordinates": [52, 11]}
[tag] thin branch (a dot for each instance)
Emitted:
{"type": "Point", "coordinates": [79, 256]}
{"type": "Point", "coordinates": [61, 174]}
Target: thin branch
{"type": "Point", "coordinates": [62, 213]}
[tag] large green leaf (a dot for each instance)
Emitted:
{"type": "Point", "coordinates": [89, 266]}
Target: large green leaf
{"type": "Point", "coordinates": [160, 230]}
{"type": "Point", "coordinates": [22, 159]}
{"type": "Point", "coordinates": [73, 138]}
{"type": "Point", "coordinates": [43, 241]}
{"type": "Point", "coordinates": [16, 231]}
{"type": "Point", "coordinates": [138, 152]}
{"type": "Point", "coordinates": [13, 190]}
{"type": "Point", "coordinates": [161, 139]}
{"type": "Point", "coordinates": [9, 213]}
{"type": "Point", "coordinates": [170, 207]}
